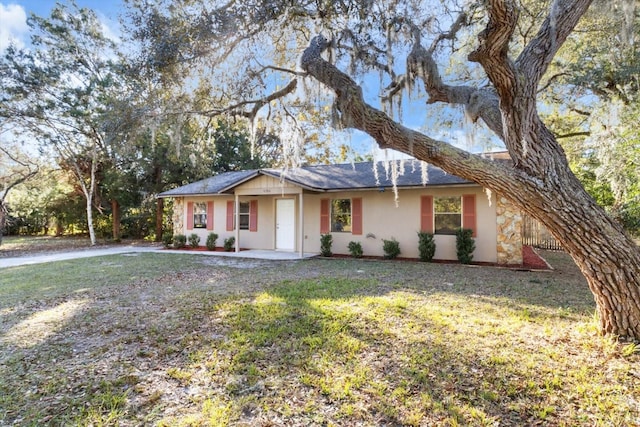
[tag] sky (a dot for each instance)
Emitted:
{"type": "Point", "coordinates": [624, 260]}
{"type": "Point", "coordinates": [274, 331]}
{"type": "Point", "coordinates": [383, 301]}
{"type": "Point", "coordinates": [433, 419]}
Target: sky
{"type": "Point", "coordinates": [14, 14]}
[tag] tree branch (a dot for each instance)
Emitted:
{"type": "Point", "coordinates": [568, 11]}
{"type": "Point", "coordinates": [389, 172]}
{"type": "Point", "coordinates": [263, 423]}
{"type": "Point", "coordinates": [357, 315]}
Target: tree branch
{"type": "Point", "coordinates": [493, 48]}
{"type": "Point", "coordinates": [572, 134]}
{"type": "Point", "coordinates": [356, 113]}
{"type": "Point", "coordinates": [460, 22]}
{"type": "Point", "coordinates": [537, 55]}
{"type": "Point", "coordinates": [236, 109]}
{"type": "Point", "coordinates": [478, 103]}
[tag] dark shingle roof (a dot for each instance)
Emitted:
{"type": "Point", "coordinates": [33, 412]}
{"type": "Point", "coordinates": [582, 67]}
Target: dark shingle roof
{"type": "Point", "coordinates": [359, 176]}
{"type": "Point", "coordinates": [348, 176]}
{"type": "Point", "coordinates": [214, 185]}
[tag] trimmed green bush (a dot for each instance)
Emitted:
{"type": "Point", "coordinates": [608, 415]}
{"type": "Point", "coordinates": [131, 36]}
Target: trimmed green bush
{"type": "Point", "coordinates": [465, 245]}
{"type": "Point", "coordinates": [211, 241]}
{"type": "Point", "coordinates": [355, 249]}
{"type": "Point", "coordinates": [391, 248]}
{"type": "Point", "coordinates": [194, 240]}
{"type": "Point", "coordinates": [326, 240]}
{"type": "Point", "coordinates": [228, 243]}
{"type": "Point", "coordinates": [179, 241]}
{"type": "Point", "coordinates": [167, 239]}
{"type": "Point", "coordinates": [426, 246]}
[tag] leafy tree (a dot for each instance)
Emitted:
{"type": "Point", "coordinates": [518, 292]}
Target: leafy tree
{"type": "Point", "coordinates": [56, 91]}
{"type": "Point", "coordinates": [593, 91]}
{"type": "Point", "coordinates": [51, 200]}
{"type": "Point", "coordinates": [498, 87]}
{"type": "Point", "coordinates": [15, 169]}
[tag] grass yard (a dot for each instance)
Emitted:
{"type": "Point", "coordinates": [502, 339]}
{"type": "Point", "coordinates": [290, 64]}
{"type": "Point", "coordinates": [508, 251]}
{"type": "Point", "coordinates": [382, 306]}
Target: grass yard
{"type": "Point", "coordinates": [187, 340]}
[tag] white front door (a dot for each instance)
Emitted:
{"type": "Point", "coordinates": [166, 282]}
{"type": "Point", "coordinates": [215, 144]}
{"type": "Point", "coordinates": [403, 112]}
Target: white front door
{"type": "Point", "coordinates": [285, 224]}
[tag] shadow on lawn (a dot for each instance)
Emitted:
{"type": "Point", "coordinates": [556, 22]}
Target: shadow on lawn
{"type": "Point", "coordinates": [310, 352]}
{"type": "Point", "coordinates": [352, 352]}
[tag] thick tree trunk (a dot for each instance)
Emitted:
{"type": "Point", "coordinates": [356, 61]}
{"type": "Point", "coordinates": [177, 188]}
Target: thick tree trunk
{"type": "Point", "coordinates": [115, 216]}
{"type": "Point", "coordinates": [608, 258]}
{"type": "Point", "coordinates": [159, 219]}
{"type": "Point", "coordinates": [539, 182]}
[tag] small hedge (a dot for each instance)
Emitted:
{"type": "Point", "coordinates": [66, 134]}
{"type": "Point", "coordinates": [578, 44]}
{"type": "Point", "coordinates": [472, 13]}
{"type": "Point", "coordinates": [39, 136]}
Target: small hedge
{"type": "Point", "coordinates": [228, 243]}
{"type": "Point", "coordinates": [355, 249]}
{"type": "Point", "coordinates": [465, 245]}
{"type": "Point", "coordinates": [391, 248]}
{"type": "Point", "coordinates": [179, 241]}
{"type": "Point", "coordinates": [426, 246]}
{"type": "Point", "coordinates": [211, 241]}
{"type": "Point", "coordinates": [167, 239]}
{"type": "Point", "coordinates": [326, 240]}
{"type": "Point", "coordinates": [194, 240]}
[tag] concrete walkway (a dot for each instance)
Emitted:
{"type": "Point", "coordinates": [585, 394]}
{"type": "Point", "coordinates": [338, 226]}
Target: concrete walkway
{"type": "Point", "coordinates": [119, 250]}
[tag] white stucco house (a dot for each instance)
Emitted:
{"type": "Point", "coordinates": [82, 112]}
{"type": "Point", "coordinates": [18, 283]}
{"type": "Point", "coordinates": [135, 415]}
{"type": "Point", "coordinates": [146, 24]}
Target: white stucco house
{"type": "Point", "coordinates": [272, 209]}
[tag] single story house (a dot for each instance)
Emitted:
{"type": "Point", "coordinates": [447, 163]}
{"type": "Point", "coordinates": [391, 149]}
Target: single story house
{"type": "Point", "coordinates": [288, 210]}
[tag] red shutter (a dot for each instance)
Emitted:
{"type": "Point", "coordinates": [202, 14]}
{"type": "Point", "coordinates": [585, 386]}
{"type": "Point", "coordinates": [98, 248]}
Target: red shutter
{"type": "Point", "coordinates": [230, 218]}
{"type": "Point", "coordinates": [356, 215]}
{"type": "Point", "coordinates": [325, 226]}
{"type": "Point", "coordinates": [210, 215]}
{"type": "Point", "coordinates": [469, 212]}
{"type": "Point", "coordinates": [253, 215]}
{"type": "Point", "coordinates": [189, 215]}
{"type": "Point", "coordinates": [426, 214]}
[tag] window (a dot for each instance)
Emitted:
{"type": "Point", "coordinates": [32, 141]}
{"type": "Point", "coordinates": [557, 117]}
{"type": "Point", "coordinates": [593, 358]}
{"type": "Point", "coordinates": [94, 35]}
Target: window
{"type": "Point", "coordinates": [341, 215]}
{"type": "Point", "coordinates": [245, 209]}
{"type": "Point", "coordinates": [199, 215]}
{"type": "Point", "coordinates": [248, 215]}
{"type": "Point", "coordinates": [447, 213]}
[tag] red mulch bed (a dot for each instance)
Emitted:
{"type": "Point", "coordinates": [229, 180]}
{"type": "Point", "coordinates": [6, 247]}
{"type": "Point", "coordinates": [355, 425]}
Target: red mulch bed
{"type": "Point", "coordinates": [531, 259]}
{"type": "Point", "coordinates": [204, 249]}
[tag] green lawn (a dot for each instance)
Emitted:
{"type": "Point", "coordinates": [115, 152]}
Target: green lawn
{"type": "Point", "coordinates": [161, 339]}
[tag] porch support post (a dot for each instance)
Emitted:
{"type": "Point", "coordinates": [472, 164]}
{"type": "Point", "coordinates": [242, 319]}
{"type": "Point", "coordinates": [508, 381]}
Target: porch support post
{"type": "Point", "coordinates": [237, 221]}
{"type": "Point", "coordinates": [301, 222]}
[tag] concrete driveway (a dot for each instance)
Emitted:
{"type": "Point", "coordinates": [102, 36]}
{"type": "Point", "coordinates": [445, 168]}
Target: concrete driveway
{"type": "Point", "coordinates": [116, 250]}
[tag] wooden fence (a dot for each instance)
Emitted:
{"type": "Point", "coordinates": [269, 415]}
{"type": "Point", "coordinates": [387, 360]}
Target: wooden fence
{"type": "Point", "coordinates": [536, 235]}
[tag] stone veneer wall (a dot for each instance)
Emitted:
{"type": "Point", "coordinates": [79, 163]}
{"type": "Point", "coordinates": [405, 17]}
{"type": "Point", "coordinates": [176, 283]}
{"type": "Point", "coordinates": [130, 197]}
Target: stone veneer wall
{"type": "Point", "coordinates": [178, 216]}
{"type": "Point", "coordinates": [509, 232]}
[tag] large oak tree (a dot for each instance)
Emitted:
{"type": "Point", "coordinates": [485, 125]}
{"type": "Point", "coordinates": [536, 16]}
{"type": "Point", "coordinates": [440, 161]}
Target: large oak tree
{"type": "Point", "coordinates": [495, 77]}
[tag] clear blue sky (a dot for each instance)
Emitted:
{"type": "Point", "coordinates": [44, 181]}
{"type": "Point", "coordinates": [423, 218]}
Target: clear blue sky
{"type": "Point", "coordinates": [109, 8]}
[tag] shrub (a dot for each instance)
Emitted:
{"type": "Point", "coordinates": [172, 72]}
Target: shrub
{"type": "Point", "coordinates": [355, 249]}
{"type": "Point", "coordinates": [391, 248]}
{"type": "Point", "coordinates": [194, 240]}
{"type": "Point", "coordinates": [179, 241]}
{"type": "Point", "coordinates": [211, 241]}
{"type": "Point", "coordinates": [465, 245]}
{"type": "Point", "coordinates": [167, 239]}
{"type": "Point", "coordinates": [228, 243]}
{"type": "Point", "coordinates": [325, 244]}
{"type": "Point", "coordinates": [426, 246]}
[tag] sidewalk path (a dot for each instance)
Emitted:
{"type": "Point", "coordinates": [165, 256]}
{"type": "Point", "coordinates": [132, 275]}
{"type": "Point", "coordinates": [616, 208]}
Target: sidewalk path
{"type": "Point", "coordinates": [63, 256]}
{"type": "Point", "coordinates": [117, 250]}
